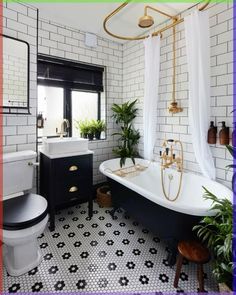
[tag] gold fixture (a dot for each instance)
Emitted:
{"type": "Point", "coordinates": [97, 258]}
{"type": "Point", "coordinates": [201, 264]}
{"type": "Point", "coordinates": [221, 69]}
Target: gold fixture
{"type": "Point", "coordinates": [168, 158]}
{"type": "Point", "coordinates": [73, 189]}
{"type": "Point", "coordinates": [146, 21]}
{"type": "Point", "coordinates": [73, 168]}
{"type": "Point", "coordinates": [63, 131]}
{"type": "Point", "coordinates": [173, 107]}
{"type": "Point", "coordinates": [130, 171]}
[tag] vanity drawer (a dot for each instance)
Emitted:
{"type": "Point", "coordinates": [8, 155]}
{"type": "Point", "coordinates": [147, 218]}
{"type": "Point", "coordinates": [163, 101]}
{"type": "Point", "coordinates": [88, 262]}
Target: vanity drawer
{"type": "Point", "coordinates": [72, 190]}
{"type": "Point", "coordinates": [70, 167]}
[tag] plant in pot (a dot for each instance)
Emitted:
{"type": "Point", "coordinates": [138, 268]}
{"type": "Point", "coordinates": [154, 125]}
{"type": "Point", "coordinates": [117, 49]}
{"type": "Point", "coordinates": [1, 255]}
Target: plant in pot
{"type": "Point", "coordinates": [91, 130]}
{"type": "Point", "coordinates": [99, 127]}
{"type": "Point", "coordinates": [83, 127]}
{"type": "Point", "coordinates": [124, 115]}
{"type": "Point", "coordinates": [217, 232]}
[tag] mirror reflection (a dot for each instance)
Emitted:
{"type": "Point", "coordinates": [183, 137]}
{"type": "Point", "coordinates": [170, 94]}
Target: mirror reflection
{"type": "Point", "coordinates": [15, 73]}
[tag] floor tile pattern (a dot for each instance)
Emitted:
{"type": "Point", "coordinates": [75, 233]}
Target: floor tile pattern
{"type": "Point", "coordinates": [103, 255]}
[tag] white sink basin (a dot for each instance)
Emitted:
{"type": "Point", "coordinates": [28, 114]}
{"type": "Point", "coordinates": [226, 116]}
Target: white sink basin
{"type": "Point", "coordinates": [53, 146]}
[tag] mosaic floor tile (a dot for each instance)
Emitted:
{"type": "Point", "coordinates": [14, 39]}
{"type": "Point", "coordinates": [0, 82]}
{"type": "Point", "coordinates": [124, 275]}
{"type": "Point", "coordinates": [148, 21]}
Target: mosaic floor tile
{"type": "Point", "coordinates": [103, 255]}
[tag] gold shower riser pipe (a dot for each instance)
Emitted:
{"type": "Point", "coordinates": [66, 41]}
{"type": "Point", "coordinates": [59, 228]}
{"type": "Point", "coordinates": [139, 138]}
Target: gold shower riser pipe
{"type": "Point", "coordinates": [143, 37]}
{"type": "Point", "coordinates": [159, 11]}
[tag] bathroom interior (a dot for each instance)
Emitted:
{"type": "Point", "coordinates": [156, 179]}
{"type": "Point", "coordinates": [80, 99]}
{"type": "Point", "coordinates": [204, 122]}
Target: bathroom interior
{"type": "Point", "coordinates": [118, 147]}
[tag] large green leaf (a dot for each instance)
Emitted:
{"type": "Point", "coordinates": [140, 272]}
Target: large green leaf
{"type": "Point", "coordinates": [217, 231]}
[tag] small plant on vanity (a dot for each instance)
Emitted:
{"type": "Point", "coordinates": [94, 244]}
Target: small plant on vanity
{"type": "Point", "coordinates": [90, 128]}
{"type": "Point", "coordinates": [124, 115]}
{"type": "Point", "coordinates": [217, 232]}
{"type": "Point", "coordinates": [83, 127]}
{"type": "Point", "coordinates": [98, 127]}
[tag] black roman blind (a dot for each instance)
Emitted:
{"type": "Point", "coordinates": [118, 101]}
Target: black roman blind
{"type": "Point", "coordinates": [55, 71]}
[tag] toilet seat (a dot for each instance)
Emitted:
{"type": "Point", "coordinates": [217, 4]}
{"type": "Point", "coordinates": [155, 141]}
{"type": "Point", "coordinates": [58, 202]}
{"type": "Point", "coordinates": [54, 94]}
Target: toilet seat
{"type": "Point", "coordinates": [23, 212]}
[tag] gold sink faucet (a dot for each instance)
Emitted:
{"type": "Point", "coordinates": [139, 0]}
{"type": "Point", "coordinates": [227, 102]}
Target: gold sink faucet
{"type": "Point", "coordinates": [63, 131]}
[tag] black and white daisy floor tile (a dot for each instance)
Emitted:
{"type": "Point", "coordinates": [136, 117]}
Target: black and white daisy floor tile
{"type": "Point", "coordinates": [103, 255]}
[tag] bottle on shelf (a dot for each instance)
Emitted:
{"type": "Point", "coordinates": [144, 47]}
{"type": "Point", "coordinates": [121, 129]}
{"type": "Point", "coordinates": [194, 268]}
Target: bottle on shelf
{"type": "Point", "coordinates": [224, 134]}
{"type": "Point", "coordinates": [212, 132]}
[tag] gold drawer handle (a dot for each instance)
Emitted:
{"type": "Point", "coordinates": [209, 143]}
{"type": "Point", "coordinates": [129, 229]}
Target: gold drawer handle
{"type": "Point", "coordinates": [73, 189]}
{"type": "Point", "coordinates": [73, 168]}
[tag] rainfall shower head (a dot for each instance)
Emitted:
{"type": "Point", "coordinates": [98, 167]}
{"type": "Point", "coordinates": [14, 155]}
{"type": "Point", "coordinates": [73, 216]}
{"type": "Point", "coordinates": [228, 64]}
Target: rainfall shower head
{"type": "Point", "coordinates": [145, 21]}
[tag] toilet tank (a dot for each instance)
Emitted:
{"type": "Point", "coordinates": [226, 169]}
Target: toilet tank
{"type": "Point", "coordinates": [17, 173]}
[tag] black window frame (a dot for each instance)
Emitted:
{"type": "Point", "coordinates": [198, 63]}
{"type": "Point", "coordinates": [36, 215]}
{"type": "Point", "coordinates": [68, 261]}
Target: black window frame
{"type": "Point", "coordinates": [71, 86]}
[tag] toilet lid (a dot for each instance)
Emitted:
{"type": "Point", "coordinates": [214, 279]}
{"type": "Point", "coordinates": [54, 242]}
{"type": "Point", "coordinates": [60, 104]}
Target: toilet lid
{"type": "Point", "coordinates": [24, 211]}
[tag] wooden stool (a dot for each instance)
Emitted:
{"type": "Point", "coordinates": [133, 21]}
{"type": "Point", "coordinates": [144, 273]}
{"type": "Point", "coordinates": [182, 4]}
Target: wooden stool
{"type": "Point", "coordinates": [194, 252]}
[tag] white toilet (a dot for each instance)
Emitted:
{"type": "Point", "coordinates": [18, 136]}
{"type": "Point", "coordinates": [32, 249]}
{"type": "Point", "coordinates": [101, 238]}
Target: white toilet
{"type": "Point", "coordinates": [24, 214]}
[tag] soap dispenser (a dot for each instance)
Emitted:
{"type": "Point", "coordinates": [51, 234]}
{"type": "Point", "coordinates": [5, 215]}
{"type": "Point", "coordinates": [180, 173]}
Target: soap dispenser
{"type": "Point", "coordinates": [211, 136]}
{"type": "Point", "coordinates": [224, 134]}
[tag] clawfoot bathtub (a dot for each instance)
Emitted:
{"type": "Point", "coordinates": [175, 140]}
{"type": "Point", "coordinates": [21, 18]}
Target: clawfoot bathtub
{"type": "Point", "coordinates": [140, 195]}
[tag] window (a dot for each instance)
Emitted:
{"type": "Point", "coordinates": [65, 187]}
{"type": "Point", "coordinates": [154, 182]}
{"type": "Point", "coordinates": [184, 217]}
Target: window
{"type": "Point", "coordinates": [85, 105]}
{"type": "Point", "coordinates": [50, 105]}
{"type": "Point", "coordinates": [68, 90]}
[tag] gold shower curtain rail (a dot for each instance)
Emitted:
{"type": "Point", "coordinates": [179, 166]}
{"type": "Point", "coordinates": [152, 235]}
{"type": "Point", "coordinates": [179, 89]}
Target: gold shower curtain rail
{"type": "Point", "coordinates": [175, 19]}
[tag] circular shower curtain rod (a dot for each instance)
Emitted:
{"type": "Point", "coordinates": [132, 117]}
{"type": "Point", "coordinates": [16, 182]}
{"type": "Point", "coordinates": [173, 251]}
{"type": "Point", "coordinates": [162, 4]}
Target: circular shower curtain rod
{"type": "Point", "coordinates": [175, 19]}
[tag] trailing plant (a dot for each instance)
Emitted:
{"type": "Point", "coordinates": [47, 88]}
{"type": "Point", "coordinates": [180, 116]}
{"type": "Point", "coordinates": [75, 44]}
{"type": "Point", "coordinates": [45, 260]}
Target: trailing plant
{"type": "Point", "coordinates": [217, 232]}
{"type": "Point", "coordinates": [124, 115]}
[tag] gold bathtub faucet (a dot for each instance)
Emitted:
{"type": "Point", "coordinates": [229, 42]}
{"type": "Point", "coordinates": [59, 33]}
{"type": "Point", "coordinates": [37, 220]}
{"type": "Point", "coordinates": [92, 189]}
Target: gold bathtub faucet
{"type": "Point", "coordinates": [168, 157]}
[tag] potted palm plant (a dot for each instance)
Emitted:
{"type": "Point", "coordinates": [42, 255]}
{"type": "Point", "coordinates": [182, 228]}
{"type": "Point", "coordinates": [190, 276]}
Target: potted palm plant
{"type": "Point", "coordinates": [124, 115]}
{"type": "Point", "coordinates": [217, 232]}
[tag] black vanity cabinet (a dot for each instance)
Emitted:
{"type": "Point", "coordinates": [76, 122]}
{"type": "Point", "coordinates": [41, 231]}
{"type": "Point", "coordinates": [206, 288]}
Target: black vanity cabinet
{"type": "Point", "coordinates": [66, 181]}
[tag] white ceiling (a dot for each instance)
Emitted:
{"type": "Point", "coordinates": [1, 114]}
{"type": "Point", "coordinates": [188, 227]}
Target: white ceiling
{"type": "Point", "coordinates": [89, 17]}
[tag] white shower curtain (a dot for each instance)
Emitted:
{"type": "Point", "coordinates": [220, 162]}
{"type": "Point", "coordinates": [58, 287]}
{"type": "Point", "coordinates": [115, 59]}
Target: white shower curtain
{"type": "Point", "coordinates": [198, 56]}
{"type": "Point", "coordinates": [151, 83]}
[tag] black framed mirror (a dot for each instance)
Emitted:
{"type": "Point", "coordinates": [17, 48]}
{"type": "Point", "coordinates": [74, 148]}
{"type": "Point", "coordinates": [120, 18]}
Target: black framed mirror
{"type": "Point", "coordinates": [16, 55]}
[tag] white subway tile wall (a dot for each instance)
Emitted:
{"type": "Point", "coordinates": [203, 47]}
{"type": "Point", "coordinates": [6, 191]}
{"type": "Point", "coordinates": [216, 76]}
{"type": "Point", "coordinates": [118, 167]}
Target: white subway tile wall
{"type": "Point", "coordinates": [61, 41]}
{"type": "Point", "coordinates": [177, 126]}
{"type": "Point", "coordinates": [125, 81]}
{"type": "Point", "coordinates": [19, 131]}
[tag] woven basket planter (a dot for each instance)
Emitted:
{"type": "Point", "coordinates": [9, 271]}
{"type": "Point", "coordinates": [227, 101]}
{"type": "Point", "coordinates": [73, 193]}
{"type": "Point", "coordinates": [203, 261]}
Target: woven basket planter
{"type": "Point", "coordinates": [104, 196]}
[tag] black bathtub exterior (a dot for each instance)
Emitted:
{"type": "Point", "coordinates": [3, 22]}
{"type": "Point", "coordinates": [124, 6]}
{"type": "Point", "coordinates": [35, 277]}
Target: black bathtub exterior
{"type": "Point", "coordinates": [170, 226]}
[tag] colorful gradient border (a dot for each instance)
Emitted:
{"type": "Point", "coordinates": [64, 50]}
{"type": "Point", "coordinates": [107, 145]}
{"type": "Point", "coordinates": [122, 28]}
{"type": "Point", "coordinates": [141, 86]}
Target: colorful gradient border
{"type": "Point", "coordinates": [234, 120]}
{"type": "Point", "coordinates": [1, 141]}
{"type": "Point", "coordinates": [1, 138]}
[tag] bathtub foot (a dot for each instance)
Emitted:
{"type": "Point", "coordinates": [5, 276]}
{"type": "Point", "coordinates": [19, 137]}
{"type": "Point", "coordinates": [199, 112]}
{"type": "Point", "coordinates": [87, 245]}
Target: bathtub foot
{"type": "Point", "coordinates": [112, 212]}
